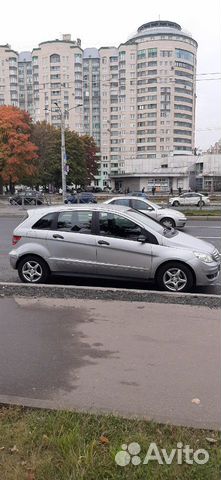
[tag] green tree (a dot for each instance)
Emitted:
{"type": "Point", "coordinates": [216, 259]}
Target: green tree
{"type": "Point", "coordinates": [90, 150]}
{"type": "Point", "coordinates": [48, 140]}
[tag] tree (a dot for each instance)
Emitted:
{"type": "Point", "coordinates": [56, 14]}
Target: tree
{"type": "Point", "coordinates": [17, 153]}
{"type": "Point", "coordinates": [90, 151]}
{"type": "Point", "coordinates": [48, 140]}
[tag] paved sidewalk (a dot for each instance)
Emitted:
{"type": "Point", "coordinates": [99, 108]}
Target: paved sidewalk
{"type": "Point", "coordinates": [131, 358]}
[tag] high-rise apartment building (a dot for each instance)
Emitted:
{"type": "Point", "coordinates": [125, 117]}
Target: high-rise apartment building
{"type": "Point", "coordinates": [148, 96]}
{"type": "Point", "coordinates": [137, 100]}
{"type": "Point", "coordinates": [25, 82]}
{"type": "Point", "coordinates": [8, 76]}
{"type": "Point", "coordinates": [57, 82]}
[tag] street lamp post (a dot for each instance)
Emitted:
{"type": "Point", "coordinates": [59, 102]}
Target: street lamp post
{"type": "Point", "coordinates": [63, 150]}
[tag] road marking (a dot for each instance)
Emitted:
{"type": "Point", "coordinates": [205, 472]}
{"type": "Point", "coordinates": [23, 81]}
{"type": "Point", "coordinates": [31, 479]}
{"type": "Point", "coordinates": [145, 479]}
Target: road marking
{"type": "Point", "coordinates": [202, 226]}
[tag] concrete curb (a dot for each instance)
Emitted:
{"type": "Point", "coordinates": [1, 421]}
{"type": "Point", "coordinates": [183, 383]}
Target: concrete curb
{"type": "Point", "coordinates": [36, 403]}
{"type": "Point", "coordinates": [98, 293]}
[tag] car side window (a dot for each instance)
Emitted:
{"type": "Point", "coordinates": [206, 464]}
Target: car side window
{"type": "Point", "coordinates": [113, 225]}
{"type": "Point", "coordinates": [121, 201]}
{"type": "Point", "coordinates": [140, 205]}
{"type": "Point", "coordinates": [75, 221]}
{"type": "Point", "coordinates": [46, 222]}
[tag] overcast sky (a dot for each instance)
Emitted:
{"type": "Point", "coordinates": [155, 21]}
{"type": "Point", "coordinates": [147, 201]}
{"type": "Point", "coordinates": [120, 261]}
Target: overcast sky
{"type": "Point", "coordinates": [26, 23]}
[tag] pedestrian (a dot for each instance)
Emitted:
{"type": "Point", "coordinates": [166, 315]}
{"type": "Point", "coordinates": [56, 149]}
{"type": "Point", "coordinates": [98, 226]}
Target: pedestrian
{"type": "Point", "coordinates": [171, 190]}
{"type": "Point", "coordinates": [180, 190]}
{"type": "Point", "coordinates": [143, 189]}
{"type": "Point", "coordinates": [153, 190]}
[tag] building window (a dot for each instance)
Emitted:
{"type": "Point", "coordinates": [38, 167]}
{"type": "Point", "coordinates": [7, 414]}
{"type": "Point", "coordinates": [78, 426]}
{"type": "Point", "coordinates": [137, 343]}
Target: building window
{"type": "Point", "coordinates": [54, 58]}
{"type": "Point", "coordinates": [152, 52]}
{"type": "Point", "coordinates": [166, 53]}
{"type": "Point", "coordinates": [184, 54]}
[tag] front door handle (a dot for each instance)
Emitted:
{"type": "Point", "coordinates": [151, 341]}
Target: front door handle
{"type": "Point", "coordinates": [56, 235]}
{"type": "Point", "coordinates": [103, 242]}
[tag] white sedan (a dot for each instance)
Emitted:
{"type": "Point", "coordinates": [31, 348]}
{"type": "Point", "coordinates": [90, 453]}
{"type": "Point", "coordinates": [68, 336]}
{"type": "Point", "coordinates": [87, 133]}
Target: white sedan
{"type": "Point", "coordinates": [190, 198]}
{"type": "Point", "coordinates": [166, 216]}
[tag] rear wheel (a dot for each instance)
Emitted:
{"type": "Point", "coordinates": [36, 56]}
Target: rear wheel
{"type": "Point", "coordinates": [168, 222]}
{"type": "Point", "coordinates": [33, 269]}
{"type": "Point", "coordinates": [201, 203]}
{"type": "Point", "coordinates": [175, 277]}
{"type": "Point", "coordinates": [176, 203]}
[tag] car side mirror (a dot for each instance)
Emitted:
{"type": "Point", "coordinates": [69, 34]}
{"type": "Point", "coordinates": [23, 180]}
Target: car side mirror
{"type": "Point", "coordinates": [142, 239]}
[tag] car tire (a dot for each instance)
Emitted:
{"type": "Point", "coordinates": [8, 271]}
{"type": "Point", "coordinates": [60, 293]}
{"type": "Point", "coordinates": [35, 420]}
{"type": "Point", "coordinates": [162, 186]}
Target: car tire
{"type": "Point", "coordinates": [33, 269]}
{"type": "Point", "coordinates": [201, 203]}
{"type": "Point", "coordinates": [176, 203]}
{"type": "Point", "coordinates": [168, 222]}
{"type": "Point", "coordinates": [175, 277]}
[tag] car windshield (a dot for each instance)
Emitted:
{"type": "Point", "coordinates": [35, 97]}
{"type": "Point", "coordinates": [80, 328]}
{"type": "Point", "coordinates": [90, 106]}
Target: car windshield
{"type": "Point", "coordinates": [151, 223]}
{"type": "Point", "coordinates": [154, 205]}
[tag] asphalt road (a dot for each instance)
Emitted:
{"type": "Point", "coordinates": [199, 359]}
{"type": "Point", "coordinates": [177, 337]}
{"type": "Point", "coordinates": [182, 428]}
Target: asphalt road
{"type": "Point", "coordinates": [92, 355]}
{"type": "Point", "coordinates": [210, 231]}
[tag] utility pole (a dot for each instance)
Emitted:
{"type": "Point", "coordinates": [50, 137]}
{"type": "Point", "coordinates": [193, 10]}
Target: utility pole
{"type": "Point", "coordinates": [63, 158]}
{"type": "Point", "coordinates": [63, 150]}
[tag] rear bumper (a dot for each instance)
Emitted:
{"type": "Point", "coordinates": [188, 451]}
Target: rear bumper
{"type": "Point", "coordinates": [13, 257]}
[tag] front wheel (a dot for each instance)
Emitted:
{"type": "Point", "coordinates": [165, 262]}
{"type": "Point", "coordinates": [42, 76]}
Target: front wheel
{"type": "Point", "coordinates": [175, 277]}
{"type": "Point", "coordinates": [176, 203]}
{"type": "Point", "coordinates": [201, 203]}
{"type": "Point", "coordinates": [168, 222]}
{"type": "Point", "coordinates": [32, 269]}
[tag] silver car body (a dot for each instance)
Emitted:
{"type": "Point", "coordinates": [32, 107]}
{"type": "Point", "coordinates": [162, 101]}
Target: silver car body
{"type": "Point", "coordinates": [98, 254]}
{"type": "Point", "coordinates": [189, 198]}
{"type": "Point", "coordinates": [157, 212]}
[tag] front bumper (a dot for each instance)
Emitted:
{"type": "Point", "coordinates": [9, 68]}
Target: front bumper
{"type": "Point", "coordinates": [181, 222]}
{"type": "Point", "coordinates": [207, 273]}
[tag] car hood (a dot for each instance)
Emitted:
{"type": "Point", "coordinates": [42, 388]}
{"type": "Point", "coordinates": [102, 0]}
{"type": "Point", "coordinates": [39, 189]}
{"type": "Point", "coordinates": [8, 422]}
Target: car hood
{"type": "Point", "coordinates": [183, 240]}
{"type": "Point", "coordinates": [169, 212]}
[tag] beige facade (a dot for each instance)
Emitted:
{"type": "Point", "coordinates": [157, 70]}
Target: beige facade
{"type": "Point", "coordinates": [148, 94]}
{"type": "Point", "coordinates": [57, 81]}
{"type": "Point", "coordinates": [8, 76]}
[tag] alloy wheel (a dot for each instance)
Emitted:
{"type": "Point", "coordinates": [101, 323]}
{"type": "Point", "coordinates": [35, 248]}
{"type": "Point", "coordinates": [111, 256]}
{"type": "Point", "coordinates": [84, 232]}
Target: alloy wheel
{"type": "Point", "coordinates": [32, 271]}
{"type": "Point", "coordinates": [175, 279]}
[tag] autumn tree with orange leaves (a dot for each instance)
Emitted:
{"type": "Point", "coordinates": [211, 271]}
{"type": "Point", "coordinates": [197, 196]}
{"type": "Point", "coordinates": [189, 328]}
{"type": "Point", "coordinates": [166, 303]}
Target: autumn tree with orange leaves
{"type": "Point", "coordinates": [17, 152]}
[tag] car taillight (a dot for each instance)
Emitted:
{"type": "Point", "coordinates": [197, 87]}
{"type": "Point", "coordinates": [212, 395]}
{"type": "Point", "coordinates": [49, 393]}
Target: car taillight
{"type": "Point", "coordinates": [15, 239]}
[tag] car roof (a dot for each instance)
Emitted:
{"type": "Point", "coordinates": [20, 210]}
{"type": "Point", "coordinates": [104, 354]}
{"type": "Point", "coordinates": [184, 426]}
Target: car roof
{"type": "Point", "coordinates": [128, 197]}
{"type": "Point", "coordinates": [61, 208]}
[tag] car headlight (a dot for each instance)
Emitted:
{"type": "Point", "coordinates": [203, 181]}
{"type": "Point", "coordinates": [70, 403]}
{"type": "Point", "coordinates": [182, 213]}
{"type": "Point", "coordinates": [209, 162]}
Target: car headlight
{"type": "Point", "coordinates": [204, 257]}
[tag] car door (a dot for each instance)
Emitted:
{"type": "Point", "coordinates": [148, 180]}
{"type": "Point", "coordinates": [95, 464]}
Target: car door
{"type": "Point", "coordinates": [72, 244]}
{"type": "Point", "coordinates": [119, 253]}
{"type": "Point", "coordinates": [144, 207]}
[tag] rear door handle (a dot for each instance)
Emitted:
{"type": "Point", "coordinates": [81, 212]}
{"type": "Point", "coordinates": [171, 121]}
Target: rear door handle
{"type": "Point", "coordinates": [103, 242]}
{"type": "Point", "coordinates": [56, 235]}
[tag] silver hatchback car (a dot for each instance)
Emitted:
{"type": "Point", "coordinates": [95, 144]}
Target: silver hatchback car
{"type": "Point", "coordinates": [110, 241]}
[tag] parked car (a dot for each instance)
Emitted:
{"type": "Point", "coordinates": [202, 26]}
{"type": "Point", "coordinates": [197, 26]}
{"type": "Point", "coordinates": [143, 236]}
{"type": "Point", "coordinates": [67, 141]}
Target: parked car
{"type": "Point", "coordinates": [189, 198]}
{"type": "Point", "coordinates": [27, 198]}
{"type": "Point", "coordinates": [139, 194]}
{"type": "Point", "coordinates": [166, 216]}
{"type": "Point", "coordinates": [110, 241]}
{"type": "Point", "coordinates": [84, 197]}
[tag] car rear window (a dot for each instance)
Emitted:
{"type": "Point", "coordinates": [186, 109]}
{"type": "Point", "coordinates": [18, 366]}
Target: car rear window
{"type": "Point", "coordinates": [46, 222]}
